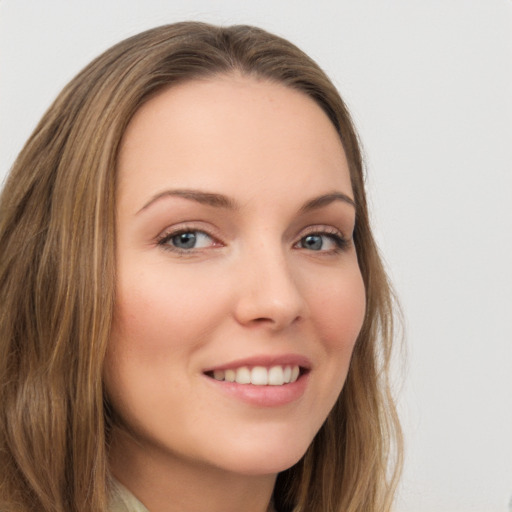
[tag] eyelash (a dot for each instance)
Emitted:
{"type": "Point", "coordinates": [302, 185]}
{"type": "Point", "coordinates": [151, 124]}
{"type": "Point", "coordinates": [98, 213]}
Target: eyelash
{"type": "Point", "coordinates": [166, 237]}
{"type": "Point", "coordinates": [341, 243]}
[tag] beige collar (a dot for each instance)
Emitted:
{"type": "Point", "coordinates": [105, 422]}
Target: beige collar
{"type": "Point", "coordinates": [122, 500]}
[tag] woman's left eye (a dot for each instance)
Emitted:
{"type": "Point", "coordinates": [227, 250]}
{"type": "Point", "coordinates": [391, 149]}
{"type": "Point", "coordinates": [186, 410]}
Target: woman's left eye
{"type": "Point", "coordinates": [326, 242]}
{"type": "Point", "coordinates": [186, 240]}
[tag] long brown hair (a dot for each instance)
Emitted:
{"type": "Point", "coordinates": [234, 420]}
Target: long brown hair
{"type": "Point", "coordinates": [57, 282]}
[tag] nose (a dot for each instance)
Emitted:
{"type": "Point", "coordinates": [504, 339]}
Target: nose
{"type": "Point", "coordinates": [268, 292]}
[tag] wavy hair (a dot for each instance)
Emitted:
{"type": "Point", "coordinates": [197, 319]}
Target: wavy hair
{"type": "Point", "coordinates": [57, 285]}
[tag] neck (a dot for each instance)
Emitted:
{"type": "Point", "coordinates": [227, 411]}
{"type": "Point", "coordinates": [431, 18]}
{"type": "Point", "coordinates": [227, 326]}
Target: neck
{"type": "Point", "coordinates": [165, 482]}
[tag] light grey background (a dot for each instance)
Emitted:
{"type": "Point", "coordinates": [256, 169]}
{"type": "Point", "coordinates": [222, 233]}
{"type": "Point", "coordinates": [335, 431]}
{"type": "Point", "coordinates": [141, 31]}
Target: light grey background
{"type": "Point", "coordinates": [430, 87]}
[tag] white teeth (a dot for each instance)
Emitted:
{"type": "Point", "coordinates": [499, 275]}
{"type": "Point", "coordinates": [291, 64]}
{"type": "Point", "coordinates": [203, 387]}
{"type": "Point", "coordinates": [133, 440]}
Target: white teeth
{"type": "Point", "coordinates": [259, 375]}
{"type": "Point", "coordinates": [243, 375]}
{"type": "Point", "coordinates": [276, 376]}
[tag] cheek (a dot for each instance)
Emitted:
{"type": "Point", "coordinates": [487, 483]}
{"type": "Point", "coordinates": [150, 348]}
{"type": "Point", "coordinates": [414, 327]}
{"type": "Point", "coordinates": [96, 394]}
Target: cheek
{"type": "Point", "coordinates": [338, 311]}
{"type": "Point", "coordinates": [160, 322]}
{"type": "Point", "coordinates": [160, 312]}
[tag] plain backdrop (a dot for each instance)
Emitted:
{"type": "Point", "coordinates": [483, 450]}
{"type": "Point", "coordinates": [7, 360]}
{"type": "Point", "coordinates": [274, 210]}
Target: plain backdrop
{"type": "Point", "coordinates": [429, 84]}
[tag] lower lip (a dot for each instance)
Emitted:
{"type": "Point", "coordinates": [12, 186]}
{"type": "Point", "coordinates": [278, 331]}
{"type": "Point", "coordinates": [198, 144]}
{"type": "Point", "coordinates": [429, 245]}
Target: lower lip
{"type": "Point", "coordinates": [263, 396]}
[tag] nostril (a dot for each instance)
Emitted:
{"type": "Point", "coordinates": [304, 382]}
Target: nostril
{"type": "Point", "coordinates": [262, 320]}
{"type": "Point", "coordinates": [274, 321]}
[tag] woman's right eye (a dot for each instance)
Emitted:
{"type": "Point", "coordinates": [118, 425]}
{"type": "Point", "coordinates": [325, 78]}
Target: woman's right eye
{"type": "Point", "coordinates": [185, 241]}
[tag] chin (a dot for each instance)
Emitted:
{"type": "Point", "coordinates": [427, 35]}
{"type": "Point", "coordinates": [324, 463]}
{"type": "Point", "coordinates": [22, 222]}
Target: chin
{"type": "Point", "coordinates": [266, 458]}
{"type": "Point", "coordinates": [265, 467]}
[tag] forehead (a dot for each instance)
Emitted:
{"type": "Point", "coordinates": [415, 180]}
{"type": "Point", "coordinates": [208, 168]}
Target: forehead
{"type": "Point", "coordinates": [232, 130]}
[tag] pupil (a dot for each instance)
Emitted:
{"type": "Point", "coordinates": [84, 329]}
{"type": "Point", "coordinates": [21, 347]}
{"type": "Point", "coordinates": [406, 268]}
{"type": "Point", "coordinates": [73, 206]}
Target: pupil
{"type": "Point", "coordinates": [185, 240]}
{"type": "Point", "coordinates": [313, 242]}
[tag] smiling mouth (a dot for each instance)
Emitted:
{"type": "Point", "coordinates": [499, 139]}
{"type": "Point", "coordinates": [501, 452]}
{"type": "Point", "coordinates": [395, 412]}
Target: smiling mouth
{"type": "Point", "coordinates": [259, 375]}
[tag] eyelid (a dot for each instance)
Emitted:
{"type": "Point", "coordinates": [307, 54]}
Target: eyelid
{"type": "Point", "coordinates": [187, 227]}
{"type": "Point", "coordinates": [340, 240]}
{"type": "Point", "coordinates": [337, 235]}
{"type": "Point", "coordinates": [322, 229]}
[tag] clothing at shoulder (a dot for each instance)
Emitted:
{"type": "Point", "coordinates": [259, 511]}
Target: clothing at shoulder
{"type": "Point", "coordinates": [122, 500]}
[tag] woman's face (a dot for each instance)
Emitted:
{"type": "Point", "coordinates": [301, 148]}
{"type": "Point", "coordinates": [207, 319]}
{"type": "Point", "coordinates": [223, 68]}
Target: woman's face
{"type": "Point", "coordinates": [239, 296]}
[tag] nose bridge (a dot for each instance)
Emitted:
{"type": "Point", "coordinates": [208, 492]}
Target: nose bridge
{"type": "Point", "coordinates": [269, 288]}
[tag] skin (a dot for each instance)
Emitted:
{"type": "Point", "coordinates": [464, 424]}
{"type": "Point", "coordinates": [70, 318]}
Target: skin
{"type": "Point", "coordinates": [252, 286]}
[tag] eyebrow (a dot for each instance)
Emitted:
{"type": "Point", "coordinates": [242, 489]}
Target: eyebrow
{"type": "Point", "coordinates": [326, 199]}
{"type": "Point", "coordinates": [207, 198]}
{"type": "Point", "coordinates": [222, 201]}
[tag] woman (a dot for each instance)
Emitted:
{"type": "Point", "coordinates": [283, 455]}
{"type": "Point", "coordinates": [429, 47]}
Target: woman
{"type": "Point", "coordinates": [195, 315]}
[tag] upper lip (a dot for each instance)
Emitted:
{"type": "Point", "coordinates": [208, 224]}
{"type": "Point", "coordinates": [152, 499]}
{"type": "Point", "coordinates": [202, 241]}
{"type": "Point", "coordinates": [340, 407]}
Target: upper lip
{"type": "Point", "coordinates": [266, 361]}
